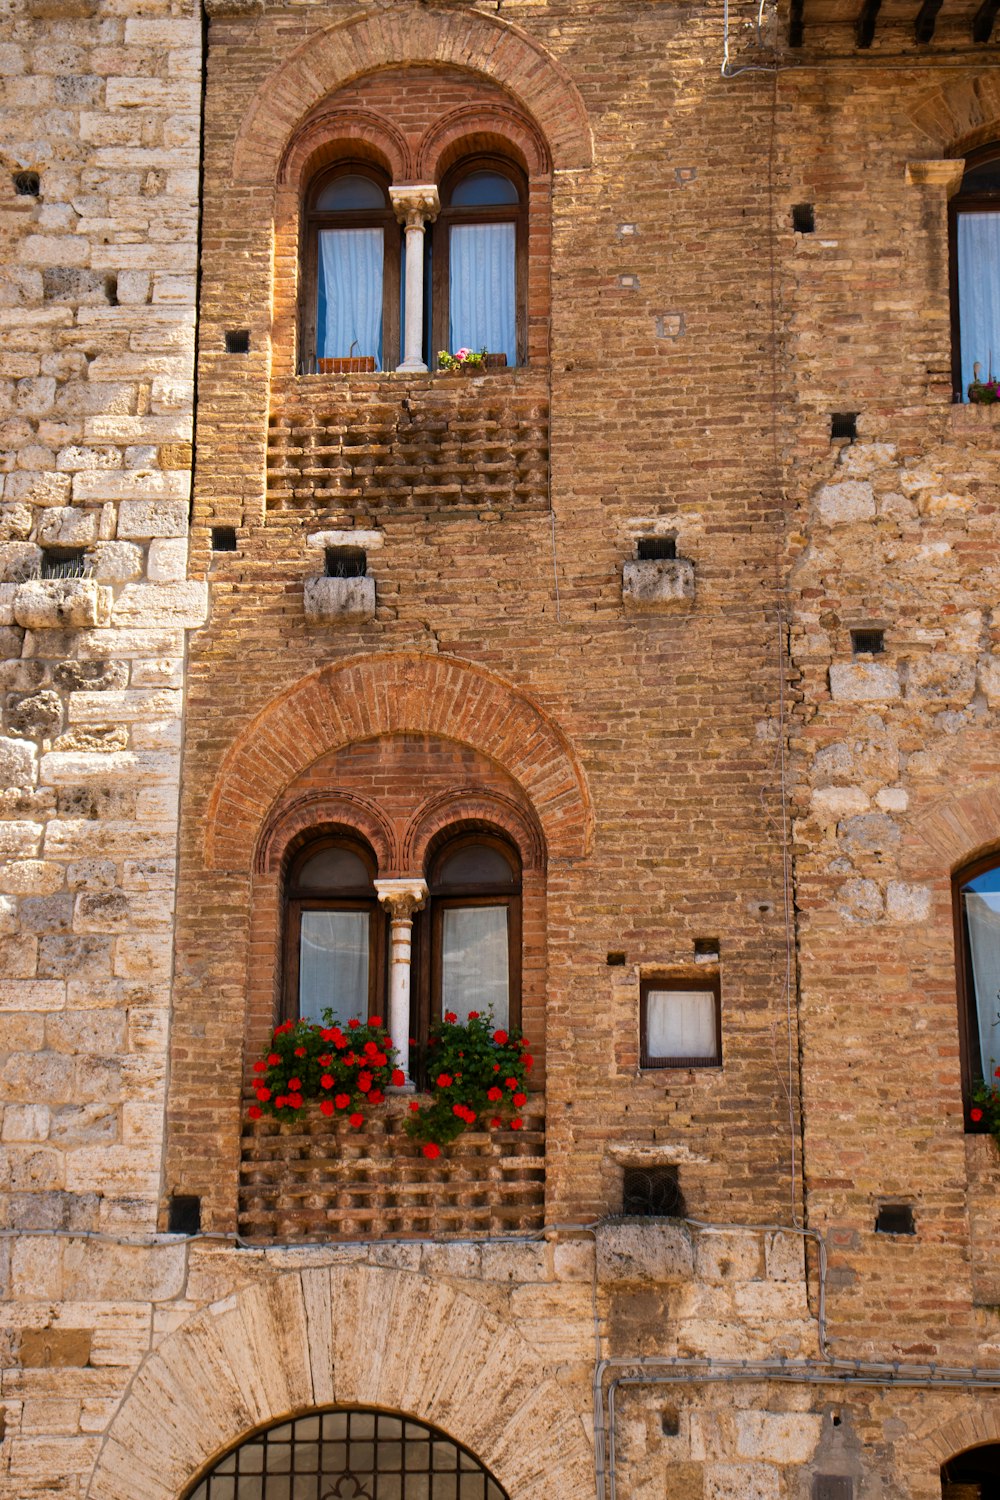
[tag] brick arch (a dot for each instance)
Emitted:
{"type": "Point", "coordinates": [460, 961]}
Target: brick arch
{"type": "Point", "coordinates": [389, 694]}
{"type": "Point", "coordinates": [480, 129]}
{"type": "Point", "coordinates": [479, 43]}
{"type": "Point", "coordinates": [979, 1424]}
{"type": "Point", "coordinates": [332, 134]}
{"type": "Point", "coordinates": [960, 114]}
{"type": "Point", "coordinates": [956, 828]}
{"type": "Point", "coordinates": [303, 817]}
{"type": "Point", "coordinates": [351, 1335]}
{"type": "Point", "coordinates": [471, 806]}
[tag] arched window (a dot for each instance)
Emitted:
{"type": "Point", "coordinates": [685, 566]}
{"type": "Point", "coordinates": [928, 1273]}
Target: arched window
{"type": "Point", "coordinates": [480, 259]}
{"type": "Point", "coordinates": [977, 938]}
{"type": "Point", "coordinates": [349, 1455]}
{"type": "Point", "coordinates": [334, 930]}
{"type": "Point", "coordinates": [475, 910]}
{"type": "Point", "coordinates": [975, 270]}
{"type": "Point", "coordinates": [350, 283]}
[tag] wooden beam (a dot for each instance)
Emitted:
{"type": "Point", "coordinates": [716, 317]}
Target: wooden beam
{"type": "Point", "coordinates": [796, 23]}
{"type": "Point", "coordinates": [982, 21]}
{"type": "Point", "coordinates": [864, 31]}
{"type": "Point", "coordinates": [926, 20]}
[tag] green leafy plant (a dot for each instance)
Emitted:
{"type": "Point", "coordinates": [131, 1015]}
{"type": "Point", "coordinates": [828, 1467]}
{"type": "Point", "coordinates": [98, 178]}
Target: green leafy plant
{"type": "Point", "coordinates": [986, 1106]}
{"type": "Point", "coordinates": [462, 359]}
{"type": "Point", "coordinates": [346, 1068]}
{"type": "Point", "coordinates": [477, 1074]}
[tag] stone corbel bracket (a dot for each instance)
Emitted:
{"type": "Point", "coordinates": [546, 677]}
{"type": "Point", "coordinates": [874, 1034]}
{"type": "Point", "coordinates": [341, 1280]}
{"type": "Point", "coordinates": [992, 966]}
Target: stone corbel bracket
{"type": "Point", "coordinates": [945, 173]}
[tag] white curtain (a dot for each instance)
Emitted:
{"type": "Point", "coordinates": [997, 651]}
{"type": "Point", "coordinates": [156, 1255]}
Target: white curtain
{"type": "Point", "coordinates": [349, 312]}
{"type": "Point", "coordinates": [474, 961]}
{"type": "Point", "coordinates": [333, 964]}
{"type": "Point", "coordinates": [681, 1023]}
{"type": "Point", "coordinates": [984, 937]}
{"type": "Point", "coordinates": [482, 305]}
{"type": "Point", "coordinates": [979, 294]}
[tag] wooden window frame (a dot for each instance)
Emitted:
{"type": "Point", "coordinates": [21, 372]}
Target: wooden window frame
{"type": "Point", "coordinates": [298, 899]}
{"type": "Point", "coordinates": [968, 1014]}
{"type": "Point", "coordinates": [313, 221]}
{"type": "Point", "coordinates": [427, 932]}
{"type": "Point", "coordinates": [958, 205]}
{"type": "Point", "coordinates": [505, 213]}
{"type": "Point", "coordinates": [710, 983]}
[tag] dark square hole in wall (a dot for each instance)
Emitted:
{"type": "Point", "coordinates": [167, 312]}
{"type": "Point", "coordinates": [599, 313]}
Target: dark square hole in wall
{"type": "Point", "coordinates": [652, 1193]}
{"type": "Point", "coordinates": [64, 562]}
{"type": "Point", "coordinates": [670, 1421]}
{"type": "Point", "coordinates": [656, 548]}
{"type": "Point", "coordinates": [184, 1214]}
{"type": "Point", "coordinates": [844, 424]}
{"type": "Point", "coordinates": [223, 538]}
{"type": "Point", "coordinates": [803, 218]}
{"type": "Point", "coordinates": [27, 184]}
{"type": "Point", "coordinates": [238, 341]}
{"type": "Point", "coordinates": [867, 642]}
{"type": "Point", "coordinates": [706, 947]}
{"type": "Point", "coordinates": [615, 960]}
{"type": "Point", "coordinates": [832, 1487]}
{"type": "Point", "coordinates": [895, 1218]}
{"type": "Point", "coordinates": [346, 562]}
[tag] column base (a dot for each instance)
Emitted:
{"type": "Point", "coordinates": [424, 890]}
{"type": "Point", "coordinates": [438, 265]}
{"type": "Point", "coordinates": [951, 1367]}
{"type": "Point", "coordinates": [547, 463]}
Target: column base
{"type": "Point", "coordinates": [411, 367]}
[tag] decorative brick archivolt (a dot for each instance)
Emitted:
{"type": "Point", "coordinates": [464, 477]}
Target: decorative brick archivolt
{"type": "Point", "coordinates": [329, 135]}
{"type": "Point", "coordinates": [481, 44]}
{"type": "Point", "coordinates": [388, 694]}
{"type": "Point", "coordinates": [291, 824]}
{"type": "Point", "coordinates": [479, 130]}
{"type": "Point", "coordinates": [473, 808]}
{"type": "Point", "coordinates": [354, 1335]}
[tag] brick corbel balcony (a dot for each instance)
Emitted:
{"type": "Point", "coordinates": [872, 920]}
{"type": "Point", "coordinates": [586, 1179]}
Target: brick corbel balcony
{"type": "Point", "coordinates": [316, 1178]}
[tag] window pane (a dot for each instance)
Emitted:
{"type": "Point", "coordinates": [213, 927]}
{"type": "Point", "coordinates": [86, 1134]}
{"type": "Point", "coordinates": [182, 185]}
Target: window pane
{"type": "Point", "coordinates": [681, 1023]}
{"type": "Point", "coordinates": [982, 910]}
{"type": "Point", "coordinates": [349, 309]}
{"type": "Point", "coordinates": [979, 294]}
{"type": "Point", "coordinates": [333, 964]}
{"type": "Point", "coordinates": [474, 961]}
{"type": "Point", "coordinates": [350, 193]}
{"type": "Point", "coordinates": [480, 189]}
{"type": "Point", "coordinates": [482, 293]}
{"type": "Point", "coordinates": [335, 870]}
{"type": "Point", "coordinates": [984, 178]}
{"type": "Point", "coordinates": [477, 864]}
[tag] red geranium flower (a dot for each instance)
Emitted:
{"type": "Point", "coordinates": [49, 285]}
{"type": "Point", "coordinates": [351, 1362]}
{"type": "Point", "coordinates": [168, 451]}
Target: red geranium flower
{"type": "Point", "coordinates": [300, 1052]}
{"type": "Point", "coordinates": [459, 1110]}
{"type": "Point", "coordinates": [370, 1049]}
{"type": "Point", "coordinates": [496, 1067]}
{"type": "Point", "coordinates": [494, 1094]}
{"type": "Point", "coordinates": [975, 1114]}
{"type": "Point", "coordinates": [431, 1149]}
{"type": "Point", "coordinates": [520, 1100]}
{"type": "Point", "coordinates": [511, 1083]}
{"type": "Point", "coordinates": [444, 1080]}
{"type": "Point", "coordinates": [364, 1082]}
{"type": "Point", "coordinates": [263, 1095]}
{"type": "Point", "coordinates": [528, 1060]}
{"type": "Point", "coordinates": [295, 1100]}
{"type": "Point", "coordinates": [473, 1015]}
{"type": "Point", "coordinates": [327, 1035]}
{"type": "Point", "coordinates": [326, 1081]}
{"type": "Point", "coordinates": [354, 1023]}
{"type": "Point", "coordinates": [376, 1096]}
{"type": "Point", "coordinates": [500, 1037]}
{"type": "Point", "coordinates": [516, 1124]}
{"type": "Point", "coordinates": [357, 1121]}
{"type": "Point", "coordinates": [255, 1111]}
{"type": "Point", "coordinates": [294, 1084]}
{"type": "Point", "coordinates": [339, 1040]}
{"type": "Point", "coordinates": [375, 1021]}
{"type": "Point", "coordinates": [398, 1078]}
{"type": "Point", "coordinates": [450, 1015]}
{"type": "Point", "coordinates": [414, 1107]}
{"type": "Point", "coordinates": [341, 1100]}
{"type": "Point", "coordinates": [280, 1102]}
{"type": "Point", "coordinates": [273, 1059]}
{"type": "Point", "coordinates": [260, 1067]}
{"type": "Point", "coordinates": [494, 1122]}
{"type": "Point", "coordinates": [325, 1060]}
{"type": "Point", "coordinates": [326, 1107]}
{"type": "Point", "coordinates": [380, 1059]}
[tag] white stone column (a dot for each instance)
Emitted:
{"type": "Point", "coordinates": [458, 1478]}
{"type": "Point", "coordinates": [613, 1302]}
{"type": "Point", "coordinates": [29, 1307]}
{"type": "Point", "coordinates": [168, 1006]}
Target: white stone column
{"type": "Point", "coordinates": [401, 898]}
{"type": "Point", "coordinates": [415, 206]}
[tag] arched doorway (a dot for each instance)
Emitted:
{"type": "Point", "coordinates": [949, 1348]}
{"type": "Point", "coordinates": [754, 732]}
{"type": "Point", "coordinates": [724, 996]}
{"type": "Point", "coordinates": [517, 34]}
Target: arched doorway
{"type": "Point", "coordinates": [973, 1474]}
{"type": "Point", "coordinates": [348, 1454]}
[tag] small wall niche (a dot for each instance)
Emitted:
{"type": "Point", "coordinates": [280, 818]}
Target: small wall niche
{"type": "Point", "coordinates": [844, 424]}
{"type": "Point", "coordinates": [238, 341]}
{"type": "Point", "coordinates": [64, 562]}
{"type": "Point", "coordinates": [223, 538]}
{"type": "Point", "coordinates": [183, 1214]}
{"type": "Point", "coordinates": [345, 562]}
{"type": "Point", "coordinates": [868, 641]}
{"type": "Point", "coordinates": [803, 218]}
{"type": "Point", "coordinates": [27, 184]}
{"type": "Point", "coordinates": [652, 1192]}
{"type": "Point", "coordinates": [895, 1218]}
{"type": "Point", "coordinates": [658, 579]}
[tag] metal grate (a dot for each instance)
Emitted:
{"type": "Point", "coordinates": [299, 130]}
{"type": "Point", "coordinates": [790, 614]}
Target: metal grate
{"type": "Point", "coordinates": [65, 563]}
{"type": "Point", "coordinates": [656, 548]}
{"type": "Point", "coordinates": [349, 1455]}
{"type": "Point", "coordinates": [867, 642]}
{"type": "Point", "coordinates": [652, 1193]}
{"type": "Point", "coordinates": [346, 562]}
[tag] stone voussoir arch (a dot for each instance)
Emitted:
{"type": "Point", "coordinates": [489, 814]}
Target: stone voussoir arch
{"type": "Point", "coordinates": [395, 693]}
{"type": "Point", "coordinates": [477, 43]}
{"type": "Point", "coordinates": [959, 113]}
{"type": "Point", "coordinates": [352, 1336]}
{"type": "Point", "coordinates": [979, 1423]}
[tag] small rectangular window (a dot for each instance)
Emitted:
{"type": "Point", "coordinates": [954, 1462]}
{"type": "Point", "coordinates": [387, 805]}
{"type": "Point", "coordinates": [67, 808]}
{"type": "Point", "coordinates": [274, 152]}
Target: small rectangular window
{"type": "Point", "coordinates": [844, 424]}
{"type": "Point", "coordinates": [346, 562]}
{"type": "Point", "coordinates": [680, 1022]}
{"type": "Point", "coordinates": [895, 1218]}
{"type": "Point", "coordinates": [238, 341]}
{"type": "Point", "coordinates": [656, 548]}
{"type": "Point", "coordinates": [652, 1192]}
{"type": "Point", "coordinates": [223, 538]}
{"type": "Point", "coordinates": [183, 1214]}
{"type": "Point", "coordinates": [867, 642]}
{"type": "Point", "coordinates": [64, 562]}
{"type": "Point", "coordinates": [803, 218]}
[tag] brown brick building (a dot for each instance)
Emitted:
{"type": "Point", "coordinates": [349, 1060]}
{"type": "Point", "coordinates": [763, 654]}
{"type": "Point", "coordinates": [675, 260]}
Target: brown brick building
{"type": "Point", "coordinates": [638, 685]}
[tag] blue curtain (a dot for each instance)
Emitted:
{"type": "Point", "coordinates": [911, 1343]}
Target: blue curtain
{"type": "Point", "coordinates": [979, 294]}
{"type": "Point", "coordinates": [349, 313]}
{"type": "Point", "coordinates": [482, 305]}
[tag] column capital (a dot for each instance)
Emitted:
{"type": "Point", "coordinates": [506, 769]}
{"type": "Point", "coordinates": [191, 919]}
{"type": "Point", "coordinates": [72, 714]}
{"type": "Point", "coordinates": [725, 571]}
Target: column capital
{"type": "Point", "coordinates": [416, 203]}
{"type": "Point", "coordinates": [401, 898]}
